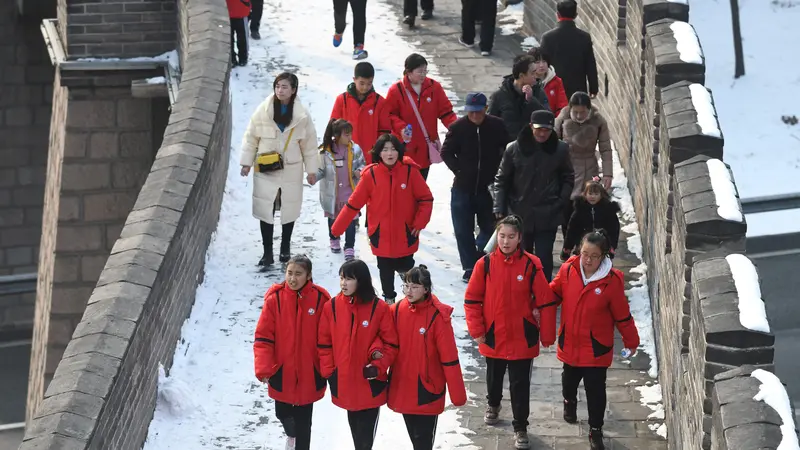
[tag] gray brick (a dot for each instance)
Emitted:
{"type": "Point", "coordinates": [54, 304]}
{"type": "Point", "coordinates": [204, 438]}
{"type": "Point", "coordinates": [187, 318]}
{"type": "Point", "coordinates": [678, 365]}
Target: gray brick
{"type": "Point", "coordinates": [130, 274]}
{"type": "Point", "coordinates": [119, 307]}
{"type": "Point", "coordinates": [143, 242]}
{"type": "Point", "coordinates": [154, 213]}
{"type": "Point", "coordinates": [106, 344]}
{"type": "Point", "coordinates": [81, 381]}
{"type": "Point", "coordinates": [65, 424]}
{"type": "Point", "coordinates": [74, 402]}
{"type": "Point", "coordinates": [133, 292]}
{"type": "Point", "coordinates": [138, 257]}
{"type": "Point", "coordinates": [51, 442]}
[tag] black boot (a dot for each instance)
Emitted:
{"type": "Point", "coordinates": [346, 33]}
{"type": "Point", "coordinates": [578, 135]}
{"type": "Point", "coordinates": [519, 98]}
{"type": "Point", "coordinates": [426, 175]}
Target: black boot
{"type": "Point", "coordinates": [286, 242]}
{"type": "Point", "coordinates": [410, 21]}
{"type": "Point", "coordinates": [596, 439]}
{"type": "Point", "coordinates": [570, 411]}
{"type": "Point", "coordinates": [267, 260]}
{"type": "Point", "coordinates": [427, 14]}
{"type": "Point", "coordinates": [266, 239]}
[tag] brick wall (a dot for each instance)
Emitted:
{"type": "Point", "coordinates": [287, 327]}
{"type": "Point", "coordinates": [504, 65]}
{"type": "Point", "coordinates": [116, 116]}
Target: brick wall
{"type": "Point", "coordinates": [646, 98]}
{"type": "Point", "coordinates": [117, 28]}
{"type": "Point", "coordinates": [25, 96]}
{"type": "Point", "coordinates": [104, 390]}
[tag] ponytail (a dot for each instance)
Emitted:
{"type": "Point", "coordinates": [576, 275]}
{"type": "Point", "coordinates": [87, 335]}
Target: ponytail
{"type": "Point", "coordinates": [600, 238]}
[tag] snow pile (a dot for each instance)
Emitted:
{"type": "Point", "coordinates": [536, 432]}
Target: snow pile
{"type": "Point", "coordinates": [752, 311]}
{"type": "Point", "coordinates": [682, 2]}
{"type": "Point", "coordinates": [638, 294]}
{"type": "Point", "coordinates": [651, 397]}
{"type": "Point", "coordinates": [724, 191]}
{"type": "Point", "coordinates": [528, 43]}
{"type": "Point", "coordinates": [704, 106]}
{"type": "Point", "coordinates": [175, 397]}
{"type": "Point", "coordinates": [156, 80]}
{"type": "Point", "coordinates": [773, 393]}
{"type": "Point", "coordinates": [171, 57]}
{"type": "Point", "coordinates": [687, 43]}
{"type": "Point", "coordinates": [511, 19]}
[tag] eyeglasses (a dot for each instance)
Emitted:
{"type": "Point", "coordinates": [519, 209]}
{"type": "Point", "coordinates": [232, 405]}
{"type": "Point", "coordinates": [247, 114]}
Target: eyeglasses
{"type": "Point", "coordinates": [412, 287]}
{"type": "Point", "coordinates": [591, 257]}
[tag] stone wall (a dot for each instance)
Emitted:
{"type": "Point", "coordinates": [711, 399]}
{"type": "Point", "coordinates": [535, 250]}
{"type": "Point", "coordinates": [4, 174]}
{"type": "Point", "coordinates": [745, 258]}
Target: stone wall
{"type": "Point", "coordinates": [646, 94]}
{"type": "Point", "coordinates": [25, 96]}
{"type": "Point", "coordinates": [103, 392]}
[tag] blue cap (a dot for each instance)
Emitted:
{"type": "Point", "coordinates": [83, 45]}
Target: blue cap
{"type": "Point", "coordinates": [476, 101]}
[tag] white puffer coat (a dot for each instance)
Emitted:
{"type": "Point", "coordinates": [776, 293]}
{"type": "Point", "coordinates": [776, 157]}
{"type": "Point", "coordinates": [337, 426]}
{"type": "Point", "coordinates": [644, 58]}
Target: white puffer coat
{"type": "Point", "coordinates": [263, 136]}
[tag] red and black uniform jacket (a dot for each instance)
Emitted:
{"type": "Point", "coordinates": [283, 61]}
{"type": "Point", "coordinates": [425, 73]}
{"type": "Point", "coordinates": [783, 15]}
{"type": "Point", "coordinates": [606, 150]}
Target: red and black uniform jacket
{"type": "Point", "coordinates": [346, 335]}
{"type": "Point", "coordinates": [427, 360]}
{"type": "Point", "coordinates": [589, 314]}
{"type": "Point", "coordinates": [238, 9]}
{"type": "Point", "coordinates": [502, 295]}
{"type": "Point", "coordinates": [398, 201]}
{"type": "Point", "coordinates": [433, 105]}
{"type": "Point", "coordinates": [285, 347]}
{"type": "Point", "coordinates": [369, 118]}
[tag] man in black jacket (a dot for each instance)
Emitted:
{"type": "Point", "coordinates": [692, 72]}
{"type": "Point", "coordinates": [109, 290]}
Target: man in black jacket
{"type": "Point", "coordinates": [516, 99]}
{"type": "Point", "coordinates": [472, 150]}
{"type": "Point", "coordinates": [570, 51]}
{"type": "Point", "coordinates": [534, 181]}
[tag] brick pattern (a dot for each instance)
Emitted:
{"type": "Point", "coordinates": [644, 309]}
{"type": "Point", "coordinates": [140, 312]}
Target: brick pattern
{"type": "Point", "coordinates": [117, 28]}
{"type": "Point", "coordinates": [104, 390]}
{"type": "Point", "coordinates": [654, 124]}
{"type": "Point", "coordinates": [25, 97]}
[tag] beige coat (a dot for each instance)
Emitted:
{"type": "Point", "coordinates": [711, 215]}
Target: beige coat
{"type": "Point", "coordinates": [584, 140]}
{"type": "Point", "coordinates": [263, 136]}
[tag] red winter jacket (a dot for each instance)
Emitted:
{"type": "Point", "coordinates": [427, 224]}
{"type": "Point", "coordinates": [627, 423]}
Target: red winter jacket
{"type": "Point", "coordinates": [398, 201]}
{"type": "Point", "coordinates": [346, 335]}
{"type": "Point", "coordinates": [433, 105]}
{"type": "Point", "coordinates": [589, 314]}
{"type": "Point", "coordinates": [556, 95]}
{"type": "Point", "coordinates": [238, 9]}
{"type": "Point", "coordinates": [369, 118]}
{"type": "Point", "coordinates": [500, 302]}
{"type": "Point", "coordinates": [285, 347]}
{"type": "Point", "coordinates": [427, 360]}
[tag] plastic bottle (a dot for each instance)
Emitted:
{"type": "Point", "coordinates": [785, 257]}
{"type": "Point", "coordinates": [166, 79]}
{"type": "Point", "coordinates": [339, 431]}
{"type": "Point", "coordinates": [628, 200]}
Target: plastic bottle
{"type": "Point", "coordinates": [626, 353]}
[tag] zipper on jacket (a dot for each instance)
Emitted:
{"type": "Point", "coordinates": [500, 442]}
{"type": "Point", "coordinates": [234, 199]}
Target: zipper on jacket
{"type": "Point", "coordinates": [478, 178]}
{"type": "Point", "coordinates": [593, 225]}
{"type": "Point", "coordinates": [297, 333]}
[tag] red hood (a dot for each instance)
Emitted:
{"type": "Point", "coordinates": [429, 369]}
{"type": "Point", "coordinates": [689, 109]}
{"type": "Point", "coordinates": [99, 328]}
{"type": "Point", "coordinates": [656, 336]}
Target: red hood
{"type": "Point", "coordinates": [445, 310]}
{"type": "Point", "coordinates": [410, 162]}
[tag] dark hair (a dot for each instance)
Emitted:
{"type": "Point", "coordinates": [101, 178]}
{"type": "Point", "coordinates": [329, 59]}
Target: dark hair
{"type": "Point", "coordinates": [594, 186]}
{"type": "Point", "coordinates": [538, 55]}
{"type": "Point", "coordinates": [333, 131]}
{"type": "Point", "coordinates": [580, 98]}
{"type": "Point", "coordinates": [357, 269]}
{"type": "Point", "coordinates": [381, 142]}
{"type": "Point", "coordinates": [599, 238]}
{"type": "Point", "coordinates": [511, 220]}
{"type": "Point", "coordinates": [521, 65]}
{"type": "Point", "coordinates": [414, 61]}
{"type": "Point", "coordinates": [284, 119]}
{"type": "Point", "coordinates": [364, 70]}
{"type": "Point", "coordinates": [419, 275]}
{"type": "Point", "coordinates": [302, 261]}
{"type": "Point", "coordinates": [567, 9]}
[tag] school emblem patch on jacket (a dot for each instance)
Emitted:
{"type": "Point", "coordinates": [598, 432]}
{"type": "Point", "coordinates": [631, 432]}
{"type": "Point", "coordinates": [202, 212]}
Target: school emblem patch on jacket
{"type": "Point", "coordinates": [422, 331]}
{"type": "Point", "coordinates": [597, 291]}
{"type": "Point", "coordinates": [520, 277]}
{"type": "Point", "coordinates": [310, 311]}
{"type": "Point", "coordinates": [365, 323]}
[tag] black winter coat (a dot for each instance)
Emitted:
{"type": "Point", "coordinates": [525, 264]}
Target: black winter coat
{"type": "Point", "coordinates": [473, 152]}
{"type": "Point", "coordinates": [572, 56]}
{"type": "Point", "coordinates": [534, 181]}
{"type": "Point", "coordinates": [586, 217]}
{"type": "Point", "coordinates": [510, 105]}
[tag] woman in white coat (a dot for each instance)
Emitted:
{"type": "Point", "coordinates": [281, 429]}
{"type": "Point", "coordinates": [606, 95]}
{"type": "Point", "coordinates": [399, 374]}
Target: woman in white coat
{"type": "Point", "coordinates": [279, 141]}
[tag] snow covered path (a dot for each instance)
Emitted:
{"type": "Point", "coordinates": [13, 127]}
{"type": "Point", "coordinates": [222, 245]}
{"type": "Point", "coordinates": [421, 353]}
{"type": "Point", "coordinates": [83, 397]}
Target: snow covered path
{"type": "Point", "coordinates": [212, 399]}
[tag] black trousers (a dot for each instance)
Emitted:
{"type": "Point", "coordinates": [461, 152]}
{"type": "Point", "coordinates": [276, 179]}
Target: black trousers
{"type": "Point", "coordinates": [267, 231]}
{"type": "Point", "coordinates": [410, 7]}
{"type": "Point", "coordinates": [421, 430]}
{"type": "Point", "coordinates": [296, 421]}
{"type": "Point", "coordinates": [486, 12]}
{"type": "Point", "coordinates": [239, 39]}
{"type": "Point", "coordinates": [255, 14]}
{"type": "Point", "coordinates": [519, 385]}
{"type": "Point", "coordinates": [363, 425]}
{"type": "Point", "coordinates": [540, 243]}
{"type": "Point", "coordinates": [568, 208]}
{"type": "Point", "coordinates": [425, 172]}
{"type": "Point", "coordinates": [387, 267]}
{"type": "Point", "coordinates": [594, 381]}
{"type": "Point", "coordinates": [359, 8]}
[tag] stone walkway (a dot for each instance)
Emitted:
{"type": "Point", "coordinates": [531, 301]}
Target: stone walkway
{"type": "Point", "coordinates": [627, 425]}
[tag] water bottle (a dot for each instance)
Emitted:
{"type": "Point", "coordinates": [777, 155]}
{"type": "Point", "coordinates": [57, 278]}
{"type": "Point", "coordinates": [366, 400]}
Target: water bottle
{"type": "Point", "coordinates": [626, 353]}
{"type": "Point", "coordinates": [408, 130]}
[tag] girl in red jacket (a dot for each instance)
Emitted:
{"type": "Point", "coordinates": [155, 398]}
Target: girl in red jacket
{"type": "Point", "coordinates": [399, 205]}
{"type": "Point", "coordinates": [285, 349]}
{"type": "Point", "coordinates": [355, 368]}
{"type": "Point", "coordinates": [510, 309]}
{"type": "Point", "coordinates": [418, 91]}
{"type": "Point", "coordinates": [427, 360]}
{"type": "Point", "coordinates": [593, 302]}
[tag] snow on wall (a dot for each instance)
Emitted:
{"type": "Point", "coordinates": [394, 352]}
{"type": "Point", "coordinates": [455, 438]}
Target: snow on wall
{"type": "Point", "coordinates": [752, 311]}
{"type": "Point", "coordinates": [706, 114]}
{"type": "Point", "coordinates": [682, 2]}
{"type": "Point", "coordinates": [724, 191]}
{"type": "Point", "coordinates": [773, 393]}
{"type": "Point", "coordinates": [688, 44]}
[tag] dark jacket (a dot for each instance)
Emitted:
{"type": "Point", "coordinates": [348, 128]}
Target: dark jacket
{"type": "Point", "coordinates": [534, 181]}
{"type": "Point", "coordinates": [587, 217]}
{"type": "Point", "coordinates": [473, 152]}
{"type": "Point", "coordinates": [510, 105]}
{"type": "Point", "coordinates": [572, 55]}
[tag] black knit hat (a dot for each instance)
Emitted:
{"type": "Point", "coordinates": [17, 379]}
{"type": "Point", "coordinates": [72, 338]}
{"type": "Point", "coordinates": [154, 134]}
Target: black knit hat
{"type": "Point", "coordinates": [543, 119]}
{"type": "Point", "coordinates": [414, 61]}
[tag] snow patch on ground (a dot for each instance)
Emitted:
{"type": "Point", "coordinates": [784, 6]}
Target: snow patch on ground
{"type": "Point", "coordinates": [638, 294]}
{"type": "Point", "coordinates": [752, 311]}
{"type": "Point", "coordinates": [724, 191]}
{"type": "Point", "coordinates": [773, 393]}
{"type": "Point", "coordinates": [528, 43]}
{"type": "Point", "coordinates": [651, 397]}
{"type": "Point", "coordinates": [510, 19]}
{"type": "Point", "coordinates": [687, 43]}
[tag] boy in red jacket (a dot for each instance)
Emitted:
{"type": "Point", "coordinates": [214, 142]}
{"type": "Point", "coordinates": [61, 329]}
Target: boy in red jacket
{"type": "Point", "coordinates": [239, 10]}
{"type": "Point", "coordinates": [551, 83]}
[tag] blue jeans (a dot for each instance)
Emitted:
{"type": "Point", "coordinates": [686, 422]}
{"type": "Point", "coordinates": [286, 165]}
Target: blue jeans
{"type": "Point", "coordinates": [349, 233]}
{"type": "Point", "coordinates": [465, 207]}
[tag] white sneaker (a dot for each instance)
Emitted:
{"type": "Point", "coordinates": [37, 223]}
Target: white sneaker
{"type": "Point", "coordinates": [290, 441]}
{"type": "Point", "coordinates": [485, 53]}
